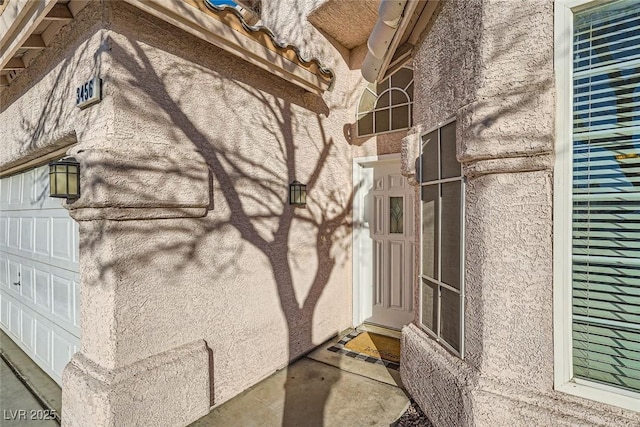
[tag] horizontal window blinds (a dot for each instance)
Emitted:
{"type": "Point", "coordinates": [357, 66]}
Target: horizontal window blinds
{"type": "Point", "coordinates": [606, 195]}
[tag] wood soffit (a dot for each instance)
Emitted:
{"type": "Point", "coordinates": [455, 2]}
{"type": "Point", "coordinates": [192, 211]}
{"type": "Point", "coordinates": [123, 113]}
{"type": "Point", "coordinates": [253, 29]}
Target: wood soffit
{"type": "Point", "coordinates": [28, 28]}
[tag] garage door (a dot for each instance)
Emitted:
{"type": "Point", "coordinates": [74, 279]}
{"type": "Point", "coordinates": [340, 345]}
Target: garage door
{"type": "Point", "coordinates": [39, 280]}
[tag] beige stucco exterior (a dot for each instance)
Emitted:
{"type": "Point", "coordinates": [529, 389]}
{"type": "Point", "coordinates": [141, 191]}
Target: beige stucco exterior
{"type": "Point", "coordinates": [489, 65]}
{"type": "Point", "coordinates": [199, 279]}
{"type": "Point", "coordinates": [196, 273]}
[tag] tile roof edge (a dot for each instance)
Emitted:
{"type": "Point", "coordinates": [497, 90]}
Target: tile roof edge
{"type": "Point", "coordinates": [326, 72]}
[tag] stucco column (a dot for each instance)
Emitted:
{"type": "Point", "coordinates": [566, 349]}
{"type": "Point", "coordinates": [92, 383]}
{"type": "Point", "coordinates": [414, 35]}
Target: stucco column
{"type": "Point", "coordinates": [493, 73]}
{"type": "Point", "coordinates": [131, 370]}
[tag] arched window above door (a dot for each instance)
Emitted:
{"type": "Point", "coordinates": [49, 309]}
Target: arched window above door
{"type": "Point", "coordinates": [387, 106]}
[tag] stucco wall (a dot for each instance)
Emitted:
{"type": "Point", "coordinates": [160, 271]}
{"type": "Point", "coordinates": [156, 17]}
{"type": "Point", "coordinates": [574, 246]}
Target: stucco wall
{"type": "Point", "coordinates": [259, 281]}
{"type": "Point", "coordinates": [489, 64]}
{"type": "Point", "coordinates": [38, 110]}
{"type": "Point", "coordinates": [186, 232]}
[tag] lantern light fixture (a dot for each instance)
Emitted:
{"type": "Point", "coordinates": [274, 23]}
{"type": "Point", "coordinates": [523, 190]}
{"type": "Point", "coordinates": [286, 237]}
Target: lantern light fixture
{"type": "Point", "coordinates": [297, 194]}
{"type": "Point", "coordinates": [64, 178]}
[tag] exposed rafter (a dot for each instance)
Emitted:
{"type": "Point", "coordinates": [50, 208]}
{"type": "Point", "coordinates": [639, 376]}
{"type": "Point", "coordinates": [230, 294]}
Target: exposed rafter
{"type": "Point", "coordinates": [34, 41]}
{"type": "Point", "coordinates": [15, 64]}
{"type": "Point", "coordinates": [59, 12]}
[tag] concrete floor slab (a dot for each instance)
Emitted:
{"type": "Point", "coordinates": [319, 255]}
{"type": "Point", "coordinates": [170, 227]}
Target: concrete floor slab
{"type": "Point", "coordinates": [18, 407]}
{"type": "Point", "coordinates": [311, 393]}
{"type": "Point", "coordinates": [47, 389]}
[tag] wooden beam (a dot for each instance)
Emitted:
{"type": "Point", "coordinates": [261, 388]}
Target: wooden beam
{"type": "Point", "coordinates": [59, 12]}
{"type": "Point", "coordinates": [34, 41]}
{"type": "Point", "coordinates": [14, 64]}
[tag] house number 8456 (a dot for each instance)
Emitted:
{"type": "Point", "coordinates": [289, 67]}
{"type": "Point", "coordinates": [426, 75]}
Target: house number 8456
{"type": "Point", "coordinates": [84, 92]}
{"type": "Point", "coordinates": [88, 93]}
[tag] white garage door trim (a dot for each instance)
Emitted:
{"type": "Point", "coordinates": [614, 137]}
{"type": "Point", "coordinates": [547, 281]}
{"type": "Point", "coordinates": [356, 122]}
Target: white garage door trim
{"type": "Point", "coordinates": [38, 250]}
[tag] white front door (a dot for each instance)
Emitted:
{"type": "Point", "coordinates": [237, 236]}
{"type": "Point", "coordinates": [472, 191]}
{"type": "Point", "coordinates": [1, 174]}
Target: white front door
{"type": "Point", "coordinates": [39, 279]}
{"type": "Point", "coordinates": [384, 246]}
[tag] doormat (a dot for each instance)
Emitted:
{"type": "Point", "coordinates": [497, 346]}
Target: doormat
{"type": "Point", "coordinates": [369, 347]}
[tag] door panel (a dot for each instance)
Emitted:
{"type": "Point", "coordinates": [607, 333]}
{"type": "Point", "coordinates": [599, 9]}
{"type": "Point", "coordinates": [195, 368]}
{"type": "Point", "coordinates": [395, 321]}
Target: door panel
{"type": "Point", "coordinates": [39, 278]}
{"type": "Point", "coordinates": [392, 234]}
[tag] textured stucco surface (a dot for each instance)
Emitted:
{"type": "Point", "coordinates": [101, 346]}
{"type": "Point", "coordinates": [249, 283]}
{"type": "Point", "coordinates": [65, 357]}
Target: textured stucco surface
{"type": "Point", "coordinates": [186, 234]}
{"type": "Point", "coordinates": [489, 65]}
{"type": "Point", "coordinates": [167, 389]}
{"type": "Point", "coordinates": [38, 110]}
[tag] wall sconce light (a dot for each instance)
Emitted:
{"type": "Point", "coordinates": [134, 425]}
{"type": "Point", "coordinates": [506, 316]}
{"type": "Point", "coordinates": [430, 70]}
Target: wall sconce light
{"type": "Point", "coordinates": [64, 178]}
{"type": "Point", "coordinates": [297, 194]}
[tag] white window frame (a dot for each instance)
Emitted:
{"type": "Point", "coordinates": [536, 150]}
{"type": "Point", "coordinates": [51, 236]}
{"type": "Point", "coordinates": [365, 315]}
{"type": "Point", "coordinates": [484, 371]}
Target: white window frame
{"type": "Point", "coordinates": [388, 108]}
{"type": "Point", "coordinates": [564, 380]}
{"type": "Point", "coordinates": [436, 334]}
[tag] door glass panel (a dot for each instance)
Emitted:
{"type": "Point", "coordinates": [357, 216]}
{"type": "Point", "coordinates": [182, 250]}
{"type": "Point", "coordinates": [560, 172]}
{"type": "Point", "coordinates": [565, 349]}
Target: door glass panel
{"type": "Point", "coordinates": [429, 304]}
{"type": "Point", "coordinates": [450, 317]}
{"type": "Point", "coordinates": [429, 166]}
{"type": "Point", "coordinates": [396, 215]}
{"type": "Point", "coordinates": [430, 207]}
{"type": "Point", "coordinates": [450, 234]}
{"type": "Point", "coordinates": [450, 165]}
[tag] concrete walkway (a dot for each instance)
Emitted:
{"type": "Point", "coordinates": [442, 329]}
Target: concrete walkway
{"type": "Point", "coordinates": [332, 390]}
{"type": "Point", "coordinates": [18, 407]}
{"type": "Point", "coordinates": [311, 393]}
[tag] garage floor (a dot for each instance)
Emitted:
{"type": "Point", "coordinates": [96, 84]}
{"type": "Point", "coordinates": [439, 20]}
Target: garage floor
{"type": "Point", "coordinates": [18, 406]}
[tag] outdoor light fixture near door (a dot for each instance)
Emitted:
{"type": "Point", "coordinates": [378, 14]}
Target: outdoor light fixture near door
{"type": "Point", "coordinates": [297, 194]}
{"type": "Point", "coordinates": [64, 178]}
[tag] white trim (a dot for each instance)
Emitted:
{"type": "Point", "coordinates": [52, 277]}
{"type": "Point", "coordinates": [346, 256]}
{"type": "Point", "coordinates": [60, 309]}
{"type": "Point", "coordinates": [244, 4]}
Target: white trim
{"type": "Point", "coordinates": [562, 227]}
{"type": "Point", "coordinates": [357, 216]}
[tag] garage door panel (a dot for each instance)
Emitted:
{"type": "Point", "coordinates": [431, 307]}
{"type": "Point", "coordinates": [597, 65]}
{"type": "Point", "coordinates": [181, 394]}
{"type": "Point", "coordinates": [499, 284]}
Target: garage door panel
{"type": "Point", "coordinates": [4, 272]}
{"type": "Point", "coordinates": [43, 237]}
{"type": "Point", "coordinates": [28, 325]}
{"type": "Point", "coordinates": [62, 351]}
{"type": "Point", "coordinates": [42, 299]}
{"type": "Point", "coordinates": [14, 319]}
{"type": "Point", "coordinates": [14, 235]}
{"type": "Point", "coordinates": [26, 283]}
{"type": "Point", "coordinates": [15, 189]}
{"type": "Point", "coordinates": [39, 248]}
{"type": "Point", "coordinates": [4, 312]}
{"type": "Point", "coordinates": [61, 238]}
{"type": "Point", "coordinates": [4, 193]}
{"type": "Point", "coordinates": [14, 277]}
{"type": "Point", "coordinates": [54, 291]}
{"type": "Point", "coordinates": [4, 233]}
{"type": "Point", "coordinates": [62, 294]}
{"type": "Point", "coordinates": [76, 243]}
{"type": "Point", "coordinates": [26, 234]}
{"type": "Point", "coordinates": [43, 343]}
{"type": "Point", "coordinates": [28, 189]}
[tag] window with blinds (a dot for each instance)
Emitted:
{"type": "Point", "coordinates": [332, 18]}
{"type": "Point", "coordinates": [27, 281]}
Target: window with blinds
{"type": "Point", "coordinates": [606, 195]}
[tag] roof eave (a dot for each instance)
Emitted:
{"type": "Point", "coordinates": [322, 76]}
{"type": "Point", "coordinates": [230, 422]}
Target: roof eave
{"type": "Point", "coordinates": [194, 21]}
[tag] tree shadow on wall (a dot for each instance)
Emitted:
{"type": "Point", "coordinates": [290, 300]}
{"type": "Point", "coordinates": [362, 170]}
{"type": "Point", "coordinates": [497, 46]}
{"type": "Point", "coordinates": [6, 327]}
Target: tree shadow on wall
{"type": "Point", "coordinates": [302, 248]}
{"type": "Point", "coordinates": [254, 193]}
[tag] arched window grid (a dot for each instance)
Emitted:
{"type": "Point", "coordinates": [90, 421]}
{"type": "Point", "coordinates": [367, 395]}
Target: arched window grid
{"type": "Point", "coordinates": [394, 115]}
